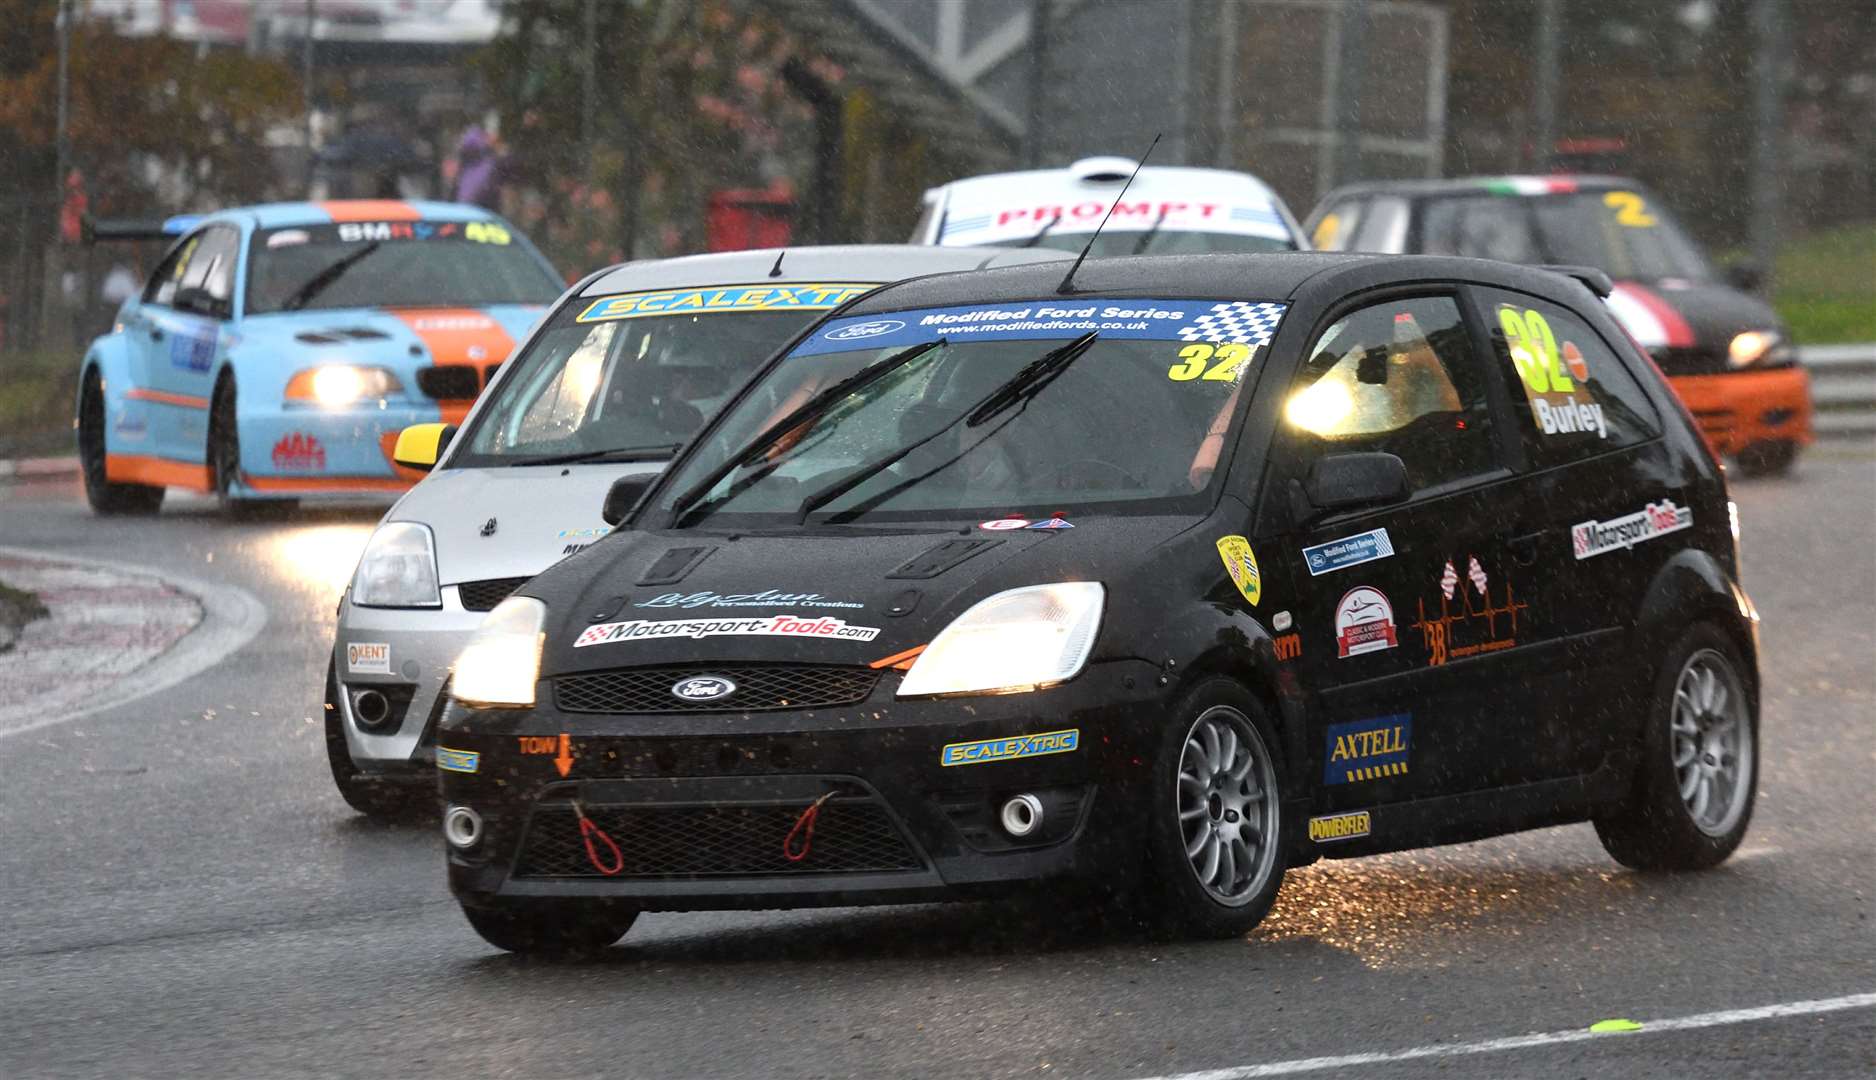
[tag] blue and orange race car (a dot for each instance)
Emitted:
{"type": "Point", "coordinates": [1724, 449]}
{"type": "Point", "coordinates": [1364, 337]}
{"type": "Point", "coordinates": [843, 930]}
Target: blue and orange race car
{"type": "Point", "coordinates": [277, 350]}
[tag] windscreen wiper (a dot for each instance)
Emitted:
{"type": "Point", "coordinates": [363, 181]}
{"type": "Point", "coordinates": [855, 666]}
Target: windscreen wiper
{"type": "Point", "coordinates": [1152, 230]}
{"type": "Point", "coordinates": [323, 280]}
{"type": "Point", "coordinates": [1019, 387]}
{"type": "Point", "coordinates": [650, 452]}
{"type": "Point", "coordinates": [808, 410]}
{"type": "Point", "coordinates": [1036, 237]}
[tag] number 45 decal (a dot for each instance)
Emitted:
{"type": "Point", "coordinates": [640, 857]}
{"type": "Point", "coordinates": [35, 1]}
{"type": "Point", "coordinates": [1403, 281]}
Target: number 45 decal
{"type": "Point", "coordinates": [1229, 356]}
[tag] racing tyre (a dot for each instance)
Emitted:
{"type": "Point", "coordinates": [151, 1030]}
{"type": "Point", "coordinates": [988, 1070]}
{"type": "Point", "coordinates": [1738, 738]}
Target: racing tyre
{"type": "Point", "coordinates": [552, 932]}
{"type": "Point", "coordinates": [224, 460]}
{"type": "Point", "coordinates": [104, 496]}
{"type": "Point", "coordinates": [1216, 818]}
{"type": "Point", "coordinates": [1700, 763]}
{"type": "Point", "coordinates": [376, 799]}
{"type": "Point", "coordinates": [1773, 458]}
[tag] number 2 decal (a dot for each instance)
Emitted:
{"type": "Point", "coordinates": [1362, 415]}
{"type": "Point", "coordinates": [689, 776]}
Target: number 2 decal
{"type": "Point", "coordinates": [1629, 209]}
{"type": "Point", "coordinates": [1534, 351]}
{"type": "Point", "coordinates": [1230, 356]}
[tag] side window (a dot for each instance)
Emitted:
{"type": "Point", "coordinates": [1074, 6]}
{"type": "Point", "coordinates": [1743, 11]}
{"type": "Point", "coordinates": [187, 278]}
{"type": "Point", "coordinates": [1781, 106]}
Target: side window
{"type": "Point", "coordinates": [1383, 227]}
{"type": "Point", "coordinates": [162, 286]}
{"type": "Point", "coordinates": [1578, 398]}
{"type": "Point", "coordinates": [1399, 377]}
{"type": "Point", "coordinates": [207, 282]}
{"type": "Point", "coordinates": [1334, 228]}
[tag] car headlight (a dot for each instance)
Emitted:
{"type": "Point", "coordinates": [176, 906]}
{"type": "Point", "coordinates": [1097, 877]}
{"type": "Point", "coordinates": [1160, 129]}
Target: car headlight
{"type": "Point", "coordinates": [1763, 347]}
{"type": "Point", "coordinates": [499, 666]}
{"type": "Point", "coordinates": [334, 386]}
{"type": "Point", "coordinates": [1020, 639]}
{"type": "Point", "coordinates": [398, 568]}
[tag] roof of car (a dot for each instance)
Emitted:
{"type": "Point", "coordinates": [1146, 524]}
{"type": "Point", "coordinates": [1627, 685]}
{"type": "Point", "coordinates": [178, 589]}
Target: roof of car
{"type": "Point", "coordinates": [1492, 185]}
{"type": "Point", "coordinates": [276, 215]}
{"type": "Point", "coordinates": [1085, 176]}
{"type": "Point", "coordinates": [843, 263]}
{"type": "Point", "coordinates": [1275, 276]}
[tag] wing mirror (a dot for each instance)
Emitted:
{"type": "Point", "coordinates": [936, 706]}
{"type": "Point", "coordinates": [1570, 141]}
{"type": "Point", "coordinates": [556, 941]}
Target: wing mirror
{"type": "Point", "coordinates": [623, 495]}
{"type": "Point", "coordinates": [1371, 369]}
{"type": "Point", "coordinates": [420, 445]}
{"type": "Point", "coordinates": [1348, 481]}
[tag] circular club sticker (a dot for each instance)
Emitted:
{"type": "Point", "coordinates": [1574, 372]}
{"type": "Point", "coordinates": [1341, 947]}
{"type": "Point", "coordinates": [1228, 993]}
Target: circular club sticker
{"type": "Point", "coordinates": [1364, 622]}
{"type": "Point", "coordinates": [1004, 524]}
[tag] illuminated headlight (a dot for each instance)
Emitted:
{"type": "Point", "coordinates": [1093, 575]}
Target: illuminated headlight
{"type": "Point", "coordinates": [499, 666]}
{"type": "Point", "coordinates": [334, 386]}
{"type": "Point", "coordinates": [1022, 639]}
{"type": "Point", "coordinates": [1732, 519]}
{"type": "Point", "coordinates": [398, 568]}
{"type": "Point", "coordinates": [1764, 347]}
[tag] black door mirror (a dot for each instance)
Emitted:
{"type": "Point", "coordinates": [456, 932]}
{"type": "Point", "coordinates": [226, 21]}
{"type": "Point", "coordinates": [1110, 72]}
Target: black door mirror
{"type": "Point", "coordinates": [623, 495]}
{"type": "Point", "coordinates": [1347, 481]}
{"type": "Point", "coordinates": [1746, 276]}
{"type": "Point", "coordinates": [1371, 369]}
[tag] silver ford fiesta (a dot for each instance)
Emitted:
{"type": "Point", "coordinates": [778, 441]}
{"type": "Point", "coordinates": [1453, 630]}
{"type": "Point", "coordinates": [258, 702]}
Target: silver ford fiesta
{"type": "Point", "coordinates": [602, 393]}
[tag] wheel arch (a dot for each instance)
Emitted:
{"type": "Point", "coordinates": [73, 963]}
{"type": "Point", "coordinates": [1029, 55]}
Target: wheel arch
{"type": "Point", "coordinates": [1694, 587]}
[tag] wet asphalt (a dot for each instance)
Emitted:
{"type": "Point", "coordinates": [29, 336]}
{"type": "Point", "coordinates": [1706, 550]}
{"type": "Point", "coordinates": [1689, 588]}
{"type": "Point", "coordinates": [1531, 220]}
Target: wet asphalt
{"type": "Point", "coordinates": [183, 894]}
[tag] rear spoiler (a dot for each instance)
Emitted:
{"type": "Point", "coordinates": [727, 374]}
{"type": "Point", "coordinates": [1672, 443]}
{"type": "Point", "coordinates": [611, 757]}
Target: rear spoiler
{"type": "Point", "coordinates": [1597, 281]}
{"type": "Point", "coordinates": [169, 228]}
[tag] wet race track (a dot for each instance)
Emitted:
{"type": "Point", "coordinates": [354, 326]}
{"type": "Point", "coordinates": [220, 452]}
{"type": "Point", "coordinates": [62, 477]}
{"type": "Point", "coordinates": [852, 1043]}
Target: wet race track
{"type": "Point", "coordinates": [184, 894]}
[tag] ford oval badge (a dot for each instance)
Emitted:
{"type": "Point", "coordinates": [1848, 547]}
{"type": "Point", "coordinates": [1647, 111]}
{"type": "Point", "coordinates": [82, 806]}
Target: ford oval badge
{"type": "Point", "coordinates": [875, 328]}
{"type": "Point", "coordinates": [703, 688]}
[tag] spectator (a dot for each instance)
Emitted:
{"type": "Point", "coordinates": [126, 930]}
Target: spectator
{"type": "Point", "coordinates": [480, 170]}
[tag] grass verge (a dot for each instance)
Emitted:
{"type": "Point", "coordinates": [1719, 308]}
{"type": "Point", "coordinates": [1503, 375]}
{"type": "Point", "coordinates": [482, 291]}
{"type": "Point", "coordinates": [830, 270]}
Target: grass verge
{"type": "Point", "coordinates": [1825, 286]}
{"type": "Point", "coordinates": [37, 390]}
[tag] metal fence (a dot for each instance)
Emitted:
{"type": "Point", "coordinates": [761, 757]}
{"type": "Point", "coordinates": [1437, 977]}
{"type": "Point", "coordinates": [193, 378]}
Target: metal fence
{"type": "Point", "coordinates": [1843, 389]}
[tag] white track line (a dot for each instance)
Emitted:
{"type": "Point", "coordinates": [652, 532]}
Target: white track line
{"type": "Point", "coordinates": [1524, 1042]}
{"type": "Point", "coordinates": [231, 617]}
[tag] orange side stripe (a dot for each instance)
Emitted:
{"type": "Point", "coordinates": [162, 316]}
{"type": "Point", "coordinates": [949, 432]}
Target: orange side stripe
{"type": "Point", "coordinates": [158, 472]}
{"type": "Point", "coordinates": [901, 659]}
{"type": "Point", "coordinates": [326, 483]}
{"type": "Point", "coordinates": [164, 397]}
{"type": "Point", "coordinates": [370, 210]}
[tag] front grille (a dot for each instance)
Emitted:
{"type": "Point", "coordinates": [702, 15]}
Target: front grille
{"type": "Point", "coordinates": [449, 381]}
{"type": "Point", "coordinates": [484, 595]}
{"type": "Point", "coordinates": [852, 834]}
{"type": "Point", "coordinates": [648, 690]}
{"type": "Point", "coordinates": [1693, 360]}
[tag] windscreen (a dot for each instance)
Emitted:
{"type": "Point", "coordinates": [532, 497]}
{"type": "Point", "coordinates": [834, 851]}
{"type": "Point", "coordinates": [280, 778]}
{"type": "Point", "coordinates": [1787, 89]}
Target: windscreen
{"type": "Point", "coordinates": [1120, 405]}
{"type": "Point", "coordinates": [1190, 224]}
{"type": "Point", "coordinates": [394, 264]}
{"type": "Point", "coordinates": [1619, 232]}
{"type": "Point", "coordinates": [639, 373]}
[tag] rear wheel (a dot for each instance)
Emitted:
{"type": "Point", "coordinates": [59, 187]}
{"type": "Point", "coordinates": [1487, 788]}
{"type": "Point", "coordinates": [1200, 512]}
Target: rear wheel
{"type": "Point", "coordinates": [1215, 820]}
{"type": "Point", "coordinates": [1773, 458]}
{"type": "Point", "coordinates": [558, 931]}
{"type": "Point", "coordinates": [376, 799]}
{"type": "Point", "coordinates": [224, 459]}
{"type": "Point", "coordinates": [104, 496]}
{"type": "Point", "coordinates": [1693, 796]}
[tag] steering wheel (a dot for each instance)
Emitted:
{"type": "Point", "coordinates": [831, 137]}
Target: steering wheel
{"type": "Point", "coordinates": [1081, 474]}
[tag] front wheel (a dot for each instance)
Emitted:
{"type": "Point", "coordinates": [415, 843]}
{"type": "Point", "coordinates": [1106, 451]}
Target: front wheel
{"type": "Point", "coordinates": [105, 497]}
{"type": "Point", "coordinates": [1216, 818]}
{"type": "Point", "coordinates": [224, 459]}
{"type": "Point", "coordinates": [555, 932]}
{"type": "Point", "coordinates": [1694, 793]}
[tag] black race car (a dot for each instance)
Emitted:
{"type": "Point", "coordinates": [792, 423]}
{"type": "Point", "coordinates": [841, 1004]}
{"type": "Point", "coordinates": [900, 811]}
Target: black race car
{"type": "Point", "coordinates": [1160, 579]}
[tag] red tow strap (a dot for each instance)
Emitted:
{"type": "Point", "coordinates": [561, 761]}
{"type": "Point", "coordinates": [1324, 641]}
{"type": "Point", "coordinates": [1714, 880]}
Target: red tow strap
{"type": "Point", "coordinates": [592, 835]}
{"type": "Point", "coordinates": [804, 828]}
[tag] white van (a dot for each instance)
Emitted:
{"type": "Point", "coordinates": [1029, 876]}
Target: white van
{"type": "Point", "coordinates": [1168, 210]}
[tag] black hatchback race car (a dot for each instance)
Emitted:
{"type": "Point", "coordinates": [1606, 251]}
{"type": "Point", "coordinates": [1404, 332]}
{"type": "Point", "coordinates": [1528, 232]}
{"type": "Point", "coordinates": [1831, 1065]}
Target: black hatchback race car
{"type": "Point", "coordinates": [1163, 578]}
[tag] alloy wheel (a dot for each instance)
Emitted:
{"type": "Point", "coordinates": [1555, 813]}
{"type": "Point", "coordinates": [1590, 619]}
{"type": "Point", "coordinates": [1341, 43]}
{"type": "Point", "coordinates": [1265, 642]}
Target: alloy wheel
{"type": "Point", "coordinates": [1227, 805]}
{"type": "Point", "coordinates": [1711, 740]}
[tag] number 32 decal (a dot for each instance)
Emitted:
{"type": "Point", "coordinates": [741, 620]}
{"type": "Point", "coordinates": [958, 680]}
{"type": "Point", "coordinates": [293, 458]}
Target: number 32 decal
{"type": "Point", "coordinates": [1534, 351]}
{"type": "Point", "coordinates": [1229, 358]}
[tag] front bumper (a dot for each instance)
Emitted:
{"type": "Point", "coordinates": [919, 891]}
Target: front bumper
{"type": "Point", "coordinates": [404, 654]}
{"type": "Point", "coordinates": [302, 452]}
{"type": "Point", "coordinates": [1739, 408]}
{"type": "Point", "coordinates": [702, 805]}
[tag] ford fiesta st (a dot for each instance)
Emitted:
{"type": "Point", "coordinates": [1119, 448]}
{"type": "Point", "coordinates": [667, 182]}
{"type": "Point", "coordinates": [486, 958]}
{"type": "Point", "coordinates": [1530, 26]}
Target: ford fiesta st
{"type": "Point", "coordinates": [1724, 351]}
{"type": "Point", "coordinates": [627, 367]}
{"type": "Point", "coordinates": [1166, 210]}
{"type": "Point", "coordinates": [277, 350]}
{"type": "Point", "coordinates": [1159, 579]}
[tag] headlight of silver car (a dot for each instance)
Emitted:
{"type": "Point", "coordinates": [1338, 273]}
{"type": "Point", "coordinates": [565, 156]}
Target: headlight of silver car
{"type": "Point", "coordinates": [398, 568]}
{"type": "Point", "coordinates": [499, 666]}
{"type": "Point", "coordinates": [1020, 639]}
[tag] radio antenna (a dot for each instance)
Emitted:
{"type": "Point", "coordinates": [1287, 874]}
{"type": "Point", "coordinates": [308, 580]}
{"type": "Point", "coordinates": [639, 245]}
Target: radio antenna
{"type": "Point", "coordinates": [1068, 279]}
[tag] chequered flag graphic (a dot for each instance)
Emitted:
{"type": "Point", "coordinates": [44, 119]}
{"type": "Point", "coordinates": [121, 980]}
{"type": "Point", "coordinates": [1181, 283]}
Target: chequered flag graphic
{"type": "Point", "coordinates": [1448, 579]}
{"type": "Point", "coordinates": [1247, 323]}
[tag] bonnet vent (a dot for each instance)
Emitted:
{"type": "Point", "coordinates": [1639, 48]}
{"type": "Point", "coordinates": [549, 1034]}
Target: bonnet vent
{"type": "Point", "coordinates": [673, 565]}
{"type": "Point", "coordinates": [941, 558]}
